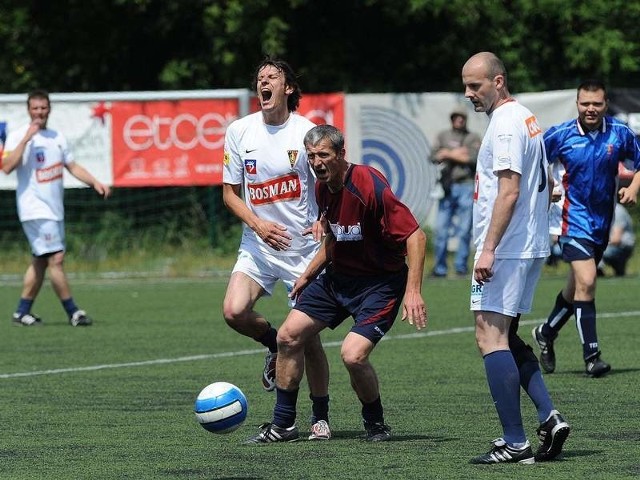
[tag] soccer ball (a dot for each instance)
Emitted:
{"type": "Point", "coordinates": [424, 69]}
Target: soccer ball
{"type": "Point", "coordinates": [220, 407]}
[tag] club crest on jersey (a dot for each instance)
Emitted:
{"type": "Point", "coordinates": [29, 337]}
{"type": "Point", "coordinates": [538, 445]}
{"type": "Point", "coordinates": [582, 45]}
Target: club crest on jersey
{"type": "Point", "coordinates": [250, 166]}
{"type": "Point", "coordinates": [293, 156]}
{"type": "Point", "coordinates": [609, 149]}
{"type": "Point", "coordinates": [39, 155]}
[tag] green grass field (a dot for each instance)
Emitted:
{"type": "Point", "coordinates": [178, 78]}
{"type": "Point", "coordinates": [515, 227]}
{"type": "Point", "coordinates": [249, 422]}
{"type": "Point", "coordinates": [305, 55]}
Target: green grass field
{"type": "Point", "coordinates": [114, 401]}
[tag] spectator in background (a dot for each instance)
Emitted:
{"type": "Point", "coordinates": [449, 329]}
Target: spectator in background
{"type": "Point", "coordinates": [38, 155]}
{"type": "Point", "coordinates": [455, 154]}
{"type": "Point", "coordinates": [622, 240]}
{"type": "Point", "coordinates": [590, 148]}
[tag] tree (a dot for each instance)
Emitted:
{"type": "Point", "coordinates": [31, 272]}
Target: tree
{"type": "Point", "coordinates": [346, 45]}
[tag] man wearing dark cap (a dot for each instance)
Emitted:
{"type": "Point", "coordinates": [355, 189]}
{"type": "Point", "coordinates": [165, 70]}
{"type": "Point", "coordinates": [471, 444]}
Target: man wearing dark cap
{"type": "Point", "coordinates": [455, 153]}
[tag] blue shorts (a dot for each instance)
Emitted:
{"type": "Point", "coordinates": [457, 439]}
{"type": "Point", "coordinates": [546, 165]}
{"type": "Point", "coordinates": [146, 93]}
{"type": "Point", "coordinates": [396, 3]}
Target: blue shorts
{"type": "Point", "coordinates": [574, 248]}
{"type": "Point", "coordinates": [373, 302]}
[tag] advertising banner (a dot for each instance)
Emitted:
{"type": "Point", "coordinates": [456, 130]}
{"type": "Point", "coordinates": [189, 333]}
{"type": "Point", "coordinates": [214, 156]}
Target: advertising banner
{"type": "Point", "coordinates": [151, 142]}
{"type": "Point", "coordinates": [395, 132]}
{"type": "Point", "coordinates": [86, 128]}
{"type": "Point", "coordinates": [177, 143]}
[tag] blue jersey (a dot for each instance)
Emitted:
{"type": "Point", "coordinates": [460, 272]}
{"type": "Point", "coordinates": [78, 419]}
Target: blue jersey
{"type": "Point", "coordinates": [590, 161]}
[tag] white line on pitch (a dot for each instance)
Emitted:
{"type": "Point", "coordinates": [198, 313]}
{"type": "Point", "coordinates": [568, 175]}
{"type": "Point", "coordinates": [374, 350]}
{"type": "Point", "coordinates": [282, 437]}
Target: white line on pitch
{"type": "Point", "coordinates": [193, 358]}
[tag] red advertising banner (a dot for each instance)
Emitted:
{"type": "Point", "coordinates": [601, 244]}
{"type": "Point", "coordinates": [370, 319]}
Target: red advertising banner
{"type": "Point", "coordinates": [324, 108]}
{"type": "Point", "coordinates": [163, 143]}
{"type": "Point", "coordinates": [320, 108]}
{"type": "Point", "coordinates": [180, 143]}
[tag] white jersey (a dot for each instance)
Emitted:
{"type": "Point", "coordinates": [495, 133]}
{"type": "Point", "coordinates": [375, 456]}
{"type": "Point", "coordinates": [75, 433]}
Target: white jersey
{"type": "Point", "coordinates": [513, 141]}
{"type": "Point", "coordinates": [555, 209]}
{"type": "Point", "coordinates": [271, 163]}
{"type": "Point", "coordinates": [40, 190]}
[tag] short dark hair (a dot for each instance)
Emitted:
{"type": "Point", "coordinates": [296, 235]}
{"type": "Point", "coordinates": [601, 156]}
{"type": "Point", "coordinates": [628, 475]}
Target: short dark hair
{"type": "Point", "coordinates": [496, 67]}
{"type": "Point", "coordinates": [38, 93]}
{"type": "Point", "coordinates": [290, 79]}
{"type": "Point", "coordinates": [593, 85]}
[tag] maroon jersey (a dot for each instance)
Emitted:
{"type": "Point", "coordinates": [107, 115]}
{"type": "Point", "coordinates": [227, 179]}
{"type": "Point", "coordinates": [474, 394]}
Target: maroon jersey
{"type": "Point", "coordinates": [370, 224]}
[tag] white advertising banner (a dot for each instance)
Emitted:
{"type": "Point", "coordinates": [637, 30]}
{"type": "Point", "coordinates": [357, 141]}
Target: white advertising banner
{"type": "Point", "coordinates": [87, 131]}
{"type": "Point", "coordinates": [392, 132]}
{"type": "Point", "coordinates": [395, 133]}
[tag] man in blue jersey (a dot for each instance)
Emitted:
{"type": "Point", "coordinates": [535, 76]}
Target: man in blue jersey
{"type": "Point", "coordinates": [373, 253]}
{"type": "Point", "coordinates": [590, 149]}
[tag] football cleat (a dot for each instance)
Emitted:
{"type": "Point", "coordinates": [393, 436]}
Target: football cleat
{"type": "Point", "coordinates": [596, 367]}
{"type": "Point", "coordinates": [320, 431]}
{"type": "Point", "coordinates": [269, 372]}
{"type": "Point", "coordinates": [270, 433]}
{"type": "Point", "coordinates": [80, 319]}
{"type": "Point", "coordinates": [501, 452]}
{"type": "Point", "coordinates": [377, 432]}
{"type": "Point", "coordinates": [547, 355]}
{"type": "Point", "coordinates": [552, 435]}
{"type": "Point", "coordinates": [26, 320]}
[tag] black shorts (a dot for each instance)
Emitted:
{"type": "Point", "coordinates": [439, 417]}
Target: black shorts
{"type": "Point", "coordinates": [373, 302]}
{"type": "Point", "coordinates": [574, 248]}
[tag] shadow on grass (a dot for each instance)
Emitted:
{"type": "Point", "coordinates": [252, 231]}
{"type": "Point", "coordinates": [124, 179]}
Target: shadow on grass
{"type": "Point", "coordinates": [359, 435]}
{"type": "Point", "coordinates": [205, 473]}
{"type": "Point", "coordinates": [614, 371]}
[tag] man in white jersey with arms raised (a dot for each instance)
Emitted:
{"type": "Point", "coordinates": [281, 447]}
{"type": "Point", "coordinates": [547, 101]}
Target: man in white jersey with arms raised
{"type": "Point", "coordinates": [511, 235]}
{"type": "Point", "coordinates": [265, 162]}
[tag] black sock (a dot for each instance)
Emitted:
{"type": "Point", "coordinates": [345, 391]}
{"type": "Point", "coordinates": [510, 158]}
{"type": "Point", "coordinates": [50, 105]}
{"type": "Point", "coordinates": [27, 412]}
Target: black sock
{"type": "Point", "coordinates": [372, 412]}
{"type": "Point", "coordinates": [320, 408]}
{"type": "Point", "coordinates": [586, 325]}
{"type": "Point", "coordinates": [561, 313]}
{"type": "Point", "coordinates": [269, 339]}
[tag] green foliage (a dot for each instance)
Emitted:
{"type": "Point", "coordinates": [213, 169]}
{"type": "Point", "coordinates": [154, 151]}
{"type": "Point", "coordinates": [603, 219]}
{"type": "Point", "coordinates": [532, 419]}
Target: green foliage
{"type": "Point", "coordinates": [345, 45]}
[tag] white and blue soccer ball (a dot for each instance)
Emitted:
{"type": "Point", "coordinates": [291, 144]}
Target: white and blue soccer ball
{"type": "Point", "coordinates": [220, 407]}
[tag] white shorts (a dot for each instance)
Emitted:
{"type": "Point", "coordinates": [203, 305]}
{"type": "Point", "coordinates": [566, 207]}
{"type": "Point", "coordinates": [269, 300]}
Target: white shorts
{"type": "Point", "coordinates": [45, 236]}
{"type": "Point", "coordinates": [267, 269]}
{"type": "Point", "coordinates": [511, 288]}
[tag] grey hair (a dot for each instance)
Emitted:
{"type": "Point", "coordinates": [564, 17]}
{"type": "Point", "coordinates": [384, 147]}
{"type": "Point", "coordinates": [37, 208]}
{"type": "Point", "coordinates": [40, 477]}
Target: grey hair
{"type": "Point", "coordinates": [320, 132]}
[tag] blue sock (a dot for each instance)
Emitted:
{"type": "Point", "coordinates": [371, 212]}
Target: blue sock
{"type": "Point", "coordinates": [284, 413]}
{"type": "Point", "coordinates": [586, 324]}
{"type": "Point", "coordinates": [24, 306]}
{"type": "Point", "coordinates": [69, 306]}
{"type": "Point", "coordinates": [320, 408]}
{"type": "Point", "coordinates": [532, 383]}
{"type": "Point", "coordinates": [504, 384]}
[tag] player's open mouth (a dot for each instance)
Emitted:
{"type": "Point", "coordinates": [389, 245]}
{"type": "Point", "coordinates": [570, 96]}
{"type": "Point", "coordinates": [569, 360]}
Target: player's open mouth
{"type": "Point", "coordinates": [266, 95]}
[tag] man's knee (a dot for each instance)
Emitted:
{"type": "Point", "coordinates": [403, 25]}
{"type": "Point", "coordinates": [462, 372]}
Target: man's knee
{"type": "Point", "coordinates": [289, 340]}
{"type": "Point", "coordinates": [234, 315]}
{"type": "Point", "coordinates": [354, 359]}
